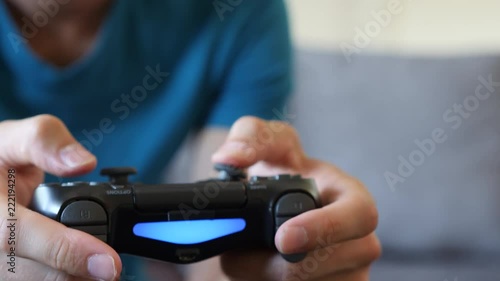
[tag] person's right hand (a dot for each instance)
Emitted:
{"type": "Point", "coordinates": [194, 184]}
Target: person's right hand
{"type": "Point", "coordinates": [46, 249]}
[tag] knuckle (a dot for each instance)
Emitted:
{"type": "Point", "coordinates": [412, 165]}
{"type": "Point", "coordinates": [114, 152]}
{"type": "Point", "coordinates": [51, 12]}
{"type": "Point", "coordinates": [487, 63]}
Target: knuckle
{"type": "Point", "coordinates": [250, 124]}
{"type": "Point", "coordinates": [374, 248]}
{"type": "Point", "coordinates": [39, 129]}
{"type": "Point", "coordinates": [370, 209]}
{"type": "Point", "coordinates": [292, 131]}
{"type": "Point", "coordinates": [284, 128]}
{"type": "Point", "coordinates": [368, 214]}
{"type": "Point", "coordinates": [291, 134]}
{"type": "Point", "coordinates": [372, 218]}
{"type": "Point", "coordinates": [44, 125]}
{"type": "Point", "coordinates": [359, 184]}
{"type": "Point", "coordinates": [332, 230]}
{"type": "Point", "coordinates": [281, 125]}
{"type": "Point", "coordinates": [60, 252]}
{"type": "Point", "coordinates": [355, 183]}
{"type": "Point", "coordinates": [247, 129]}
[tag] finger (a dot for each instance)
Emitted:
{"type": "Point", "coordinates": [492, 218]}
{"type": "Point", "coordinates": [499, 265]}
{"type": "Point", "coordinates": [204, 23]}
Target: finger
{"type": "Point", "coordinates": [59, 247]}
{"type": "Point", "coordinates": [157, 270]}
{"type": "Point", "coordinates": [43, 141]}
{"type": "Point", "coordinates": [209, 270]}
{"type": "Point", "coordinates": [29, 177]}
{"type": "Point", "coordinates": [318, 264]}
{"type": "Point", "coordinates": [350, 217]}
{"type": "Point", "coordinates": [349, 212]}
{"type": "Point", "coordinates": [28, 270]}
{"type": "Point", "coordinates": [329, 261]}
{"type": "Point", "coordinates": [250, 265]}
{"type": "Point", "coordinates": [251, 140]}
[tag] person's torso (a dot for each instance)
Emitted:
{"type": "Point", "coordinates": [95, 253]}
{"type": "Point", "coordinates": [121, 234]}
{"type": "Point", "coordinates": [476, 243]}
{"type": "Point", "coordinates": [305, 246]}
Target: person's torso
{"type": "Point", "coordinates": [150, 79]}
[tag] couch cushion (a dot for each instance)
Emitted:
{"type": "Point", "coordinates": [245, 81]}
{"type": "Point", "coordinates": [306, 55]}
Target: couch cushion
{"type": "Point", "coordinates": [483, 269]}
{"type": "Point", "coordinates": [367, 116]}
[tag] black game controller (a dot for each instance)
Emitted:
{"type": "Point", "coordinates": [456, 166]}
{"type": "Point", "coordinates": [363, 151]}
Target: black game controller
{"type": "Point", "coordinates": [180, 223]}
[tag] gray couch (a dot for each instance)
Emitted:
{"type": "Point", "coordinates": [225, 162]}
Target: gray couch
{"type": "Point", "coordinates": [443, 222]}
{"type": "Point", "coordinates": [440, 212]}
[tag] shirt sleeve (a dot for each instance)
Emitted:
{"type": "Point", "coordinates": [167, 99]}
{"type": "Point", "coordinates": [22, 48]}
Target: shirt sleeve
{"type": "Point", "coordinates": [258, 80]}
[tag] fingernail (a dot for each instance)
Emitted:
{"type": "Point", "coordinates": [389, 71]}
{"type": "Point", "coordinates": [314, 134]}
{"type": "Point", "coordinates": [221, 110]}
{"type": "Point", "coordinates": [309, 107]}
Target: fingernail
{"type": "Point", "coordinates": [102, 267]}
{"type": "Point", "coordinates": [235, 149]}
{"type": "Point", "coordinates": [296, 239]}
{"type": "Point", "coordinates": [75, 155]}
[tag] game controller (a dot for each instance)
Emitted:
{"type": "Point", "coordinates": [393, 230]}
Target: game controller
{"type": "Point", "coordinates": [180, 223]}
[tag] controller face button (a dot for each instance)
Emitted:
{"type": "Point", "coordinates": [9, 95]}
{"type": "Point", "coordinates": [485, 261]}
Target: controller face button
{"type": "Point", "coordinates": [293, 204]}
{"type": "Point", "coordinates": [84, 213]}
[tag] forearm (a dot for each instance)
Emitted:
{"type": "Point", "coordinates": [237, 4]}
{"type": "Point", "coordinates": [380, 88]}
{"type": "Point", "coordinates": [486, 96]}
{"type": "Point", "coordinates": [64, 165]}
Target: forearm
{"type": "Point", "coordinates": [205, 144]}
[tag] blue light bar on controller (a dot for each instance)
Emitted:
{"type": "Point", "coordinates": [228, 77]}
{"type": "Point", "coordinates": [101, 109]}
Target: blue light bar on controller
{"type": "Point", "coordinates": [189, 231]}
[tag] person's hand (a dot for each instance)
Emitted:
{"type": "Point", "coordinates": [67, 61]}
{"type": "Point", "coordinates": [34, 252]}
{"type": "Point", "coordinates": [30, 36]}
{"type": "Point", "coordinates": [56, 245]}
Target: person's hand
{"type": "Point", "coordinates": [45, 249]}
{"type": "Point", "coordinates": [339, 237]}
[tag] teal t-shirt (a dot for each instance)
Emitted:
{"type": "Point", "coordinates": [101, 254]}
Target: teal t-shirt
{"type": "Point", "coordinates": [158, 70]}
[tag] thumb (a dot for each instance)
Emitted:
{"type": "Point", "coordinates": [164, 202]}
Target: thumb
{"type": "Point", "coordinates": [43, 141]}
{"type": "Point", "coordinates": [251, 140]}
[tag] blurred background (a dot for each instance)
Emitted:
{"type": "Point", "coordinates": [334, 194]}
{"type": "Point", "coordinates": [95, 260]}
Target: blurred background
{"type": "Point", "coordinates": [406, 96]}
{"type": "Point", "coordinates": [423, 27]}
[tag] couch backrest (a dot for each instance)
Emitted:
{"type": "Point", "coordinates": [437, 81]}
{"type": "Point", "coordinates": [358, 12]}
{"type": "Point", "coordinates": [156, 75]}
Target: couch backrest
{"type": "Point", "coordinates": [435, 119]}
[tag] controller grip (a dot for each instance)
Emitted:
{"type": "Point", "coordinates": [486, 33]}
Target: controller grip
{"type": "Point", "coordinates": [288, 206]}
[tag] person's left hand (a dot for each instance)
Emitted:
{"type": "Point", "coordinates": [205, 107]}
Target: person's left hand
{"type": "Point", "coordinates": [339, 237]}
